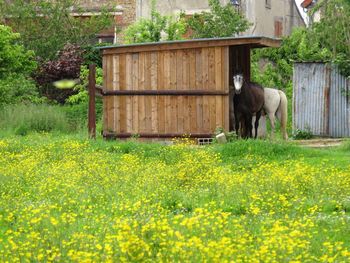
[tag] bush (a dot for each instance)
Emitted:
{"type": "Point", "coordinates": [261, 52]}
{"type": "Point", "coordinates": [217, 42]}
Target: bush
{"type": "Point", "coordinates": [22, 119]}
{"type": "Point", "coordinates": [66, 66]}
{"type": "Point", "coordinates": [17, 88]}
{"type": "Point", "coordinates": [302, 134]}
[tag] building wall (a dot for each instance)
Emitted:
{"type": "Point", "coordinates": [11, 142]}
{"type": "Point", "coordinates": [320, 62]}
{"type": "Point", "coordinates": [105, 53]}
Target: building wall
{"type": "Point", "coordinates": [172, 7]}
{"type": "Point", "coordinates": [262, 18]}
{"type": "Point", "coordinates": [127, 7]}
{"type": "Point", "coordinates": [266, 19]}
{"type": "Point", "coordinates": [278, 20]}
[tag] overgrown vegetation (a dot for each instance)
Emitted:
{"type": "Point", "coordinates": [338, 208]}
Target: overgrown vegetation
{"type": "Point", "coordinates": [22, 119]}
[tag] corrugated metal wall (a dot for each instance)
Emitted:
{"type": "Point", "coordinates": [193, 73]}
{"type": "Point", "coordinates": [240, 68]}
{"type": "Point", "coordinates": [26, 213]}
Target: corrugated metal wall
{"type": "Point", "coordinates": [320, 100]}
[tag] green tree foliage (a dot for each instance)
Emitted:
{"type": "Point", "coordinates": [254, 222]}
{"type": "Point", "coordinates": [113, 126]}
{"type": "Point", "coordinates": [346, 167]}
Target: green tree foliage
{"type": "Point", "coordinates": [14, 58]}
{"type": "Point", "coordinates": [324, 41]}
{"type": "Point", "coordinates": [221, 21]}
{"type": "Point", "coordinates": [16, 64]}
{"type": "Point", "coordinates": [156, 28]}
{"type": "Point", "coordinates": [46, 26]}
{"type": "Point", "coordinates": [277, 63]}
{"type": "Point", "coordinates": [333, 31]}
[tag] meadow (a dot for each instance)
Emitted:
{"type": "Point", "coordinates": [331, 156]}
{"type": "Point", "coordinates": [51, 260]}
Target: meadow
{"type": "Point", "coordinates": [67, 199]}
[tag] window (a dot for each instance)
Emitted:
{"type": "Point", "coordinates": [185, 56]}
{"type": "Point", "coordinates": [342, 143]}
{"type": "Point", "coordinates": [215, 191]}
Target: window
{"type": "Point", "coordinates": [106, 39]}
{"type": "Point", "coordinates": [268, 3]}
{"type": "Point", "coordinates": [278, 26]}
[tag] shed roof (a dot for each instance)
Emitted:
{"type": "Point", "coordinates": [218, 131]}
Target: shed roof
{"type": "Point", "coordinates": [252, 41]}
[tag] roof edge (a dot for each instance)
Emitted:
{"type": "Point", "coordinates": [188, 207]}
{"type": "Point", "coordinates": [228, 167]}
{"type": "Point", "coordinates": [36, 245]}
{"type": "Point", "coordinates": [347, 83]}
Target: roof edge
{"type": "Point", "coordinates": [261, 41]}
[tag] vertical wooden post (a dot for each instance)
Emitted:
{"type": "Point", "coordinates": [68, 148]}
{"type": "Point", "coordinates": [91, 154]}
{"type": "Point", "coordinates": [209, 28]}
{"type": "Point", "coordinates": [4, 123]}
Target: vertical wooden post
{"type": "Point", "coordinates": [92, 109]}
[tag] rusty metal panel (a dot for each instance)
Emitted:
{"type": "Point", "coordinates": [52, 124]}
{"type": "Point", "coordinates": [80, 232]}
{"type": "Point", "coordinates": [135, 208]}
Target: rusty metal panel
{"type": "Point", "coordinates": [309, 97]}
{"type": "Point", "coordinates": [320, 100]}
{"type": "Point", "coordinates": [339, 119]}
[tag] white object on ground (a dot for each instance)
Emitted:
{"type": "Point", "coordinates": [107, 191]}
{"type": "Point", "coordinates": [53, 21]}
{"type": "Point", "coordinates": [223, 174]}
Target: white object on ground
{"type": "Point", "coordinates": [221, 138]}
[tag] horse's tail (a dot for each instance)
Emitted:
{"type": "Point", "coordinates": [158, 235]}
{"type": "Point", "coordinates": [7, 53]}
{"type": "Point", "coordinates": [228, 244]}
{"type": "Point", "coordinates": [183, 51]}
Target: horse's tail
{"type": "Point", "coordinates": [283, 112]}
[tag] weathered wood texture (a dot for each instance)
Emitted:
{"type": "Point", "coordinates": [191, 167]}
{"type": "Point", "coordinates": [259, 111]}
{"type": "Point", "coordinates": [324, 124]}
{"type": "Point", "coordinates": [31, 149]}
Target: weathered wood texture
{"type": "Point", "coordinates": [201, 74]}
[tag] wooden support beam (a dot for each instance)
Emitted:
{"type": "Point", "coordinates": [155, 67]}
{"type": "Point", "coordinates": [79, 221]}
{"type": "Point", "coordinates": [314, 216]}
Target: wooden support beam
{"type": "Point", "coordinates": [163, 92]}
{"type": "Point", "coordinates": [109, 135]}
{"type": "Point", "coordinates": [92, 106]}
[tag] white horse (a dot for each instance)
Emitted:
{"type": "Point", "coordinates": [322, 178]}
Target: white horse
{"type": "Point", "coordinates": [276, 105]}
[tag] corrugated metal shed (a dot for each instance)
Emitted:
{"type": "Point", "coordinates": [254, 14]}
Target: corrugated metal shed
{"type": "Point", "coordinates": [320, 100]}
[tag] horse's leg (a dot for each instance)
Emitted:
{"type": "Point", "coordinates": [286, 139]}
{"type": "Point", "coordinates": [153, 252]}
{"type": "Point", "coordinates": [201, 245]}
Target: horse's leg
{"type": "Point", "coordinates": [249, 126]}
{"type": "Point", "coordinates": [272, 122]}
{"type": "Point", "coordinates": [237, 120]}
{"type": "Point", "coordinates": [257, 118]}
{"type": "Point", "coordinates": [243, 129]}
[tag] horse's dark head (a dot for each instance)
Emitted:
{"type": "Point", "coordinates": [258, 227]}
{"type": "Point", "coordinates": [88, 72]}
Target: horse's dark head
{"type": "Point", "coordinates": [238, 83]}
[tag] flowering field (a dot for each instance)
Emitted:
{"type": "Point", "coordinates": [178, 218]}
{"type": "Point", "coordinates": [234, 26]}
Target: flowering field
{"type": "Point", "coordinates": [68, 200]}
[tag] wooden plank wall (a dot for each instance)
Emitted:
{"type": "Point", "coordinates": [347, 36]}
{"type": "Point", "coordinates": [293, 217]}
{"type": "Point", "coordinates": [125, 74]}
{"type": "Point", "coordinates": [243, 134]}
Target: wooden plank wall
{"type": "Point", "coordinates": [185, 69]}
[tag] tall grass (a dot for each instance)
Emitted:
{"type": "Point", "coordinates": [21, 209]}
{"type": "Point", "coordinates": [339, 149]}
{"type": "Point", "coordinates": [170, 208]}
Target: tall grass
{"type": "Point", "coordinates": [22, 119]}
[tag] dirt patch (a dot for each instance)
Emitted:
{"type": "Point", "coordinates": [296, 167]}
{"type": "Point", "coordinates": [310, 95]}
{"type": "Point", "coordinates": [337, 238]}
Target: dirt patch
{"type": "Point", "coordinates": [320, 143]}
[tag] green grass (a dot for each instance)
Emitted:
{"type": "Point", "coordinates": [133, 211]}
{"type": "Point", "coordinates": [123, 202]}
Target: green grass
{"type": "Point", "coordinates": [69, 199]}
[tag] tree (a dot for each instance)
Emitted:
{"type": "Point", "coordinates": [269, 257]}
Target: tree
{"type": "Point", "coordinates": [325, 41]}
{"type": "Point", "coordinates": [14, 58]}
{"type": "Point", "coordinates": [16, 64]}
{"type": "Point", "coordinates": [46, 26]}
{"type": "Point", "coordinates": [221, 21]}
{"type": "Point", "coordinates": [156, 28]}
{"type": "Point", "coordinates": [333, 31]}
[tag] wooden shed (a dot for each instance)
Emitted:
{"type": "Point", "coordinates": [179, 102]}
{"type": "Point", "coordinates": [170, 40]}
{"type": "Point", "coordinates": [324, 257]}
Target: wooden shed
{"type": "Point", "coordinates": [168, 89]}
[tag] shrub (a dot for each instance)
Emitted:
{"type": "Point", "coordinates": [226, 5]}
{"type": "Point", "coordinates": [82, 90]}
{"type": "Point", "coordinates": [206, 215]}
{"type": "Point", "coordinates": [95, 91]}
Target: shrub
{"type": "Point", "coordinates": [302, 134]}
{"type": "Point", "coordinates": [17, 88]}
{"type": "Point", "coordinates": [66, 66]}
